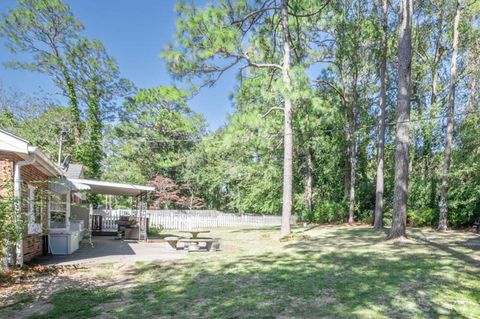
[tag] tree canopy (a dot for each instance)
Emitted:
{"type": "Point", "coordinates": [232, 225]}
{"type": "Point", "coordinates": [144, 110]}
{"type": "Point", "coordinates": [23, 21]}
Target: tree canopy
{"type": "Point", "coordinates": [338, 116]}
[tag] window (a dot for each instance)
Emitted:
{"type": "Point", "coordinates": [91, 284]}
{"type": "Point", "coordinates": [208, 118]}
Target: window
{"type": "Point", "coordinates": [35, 210]}
{"type": "Point", "coordinates": [58, 211]}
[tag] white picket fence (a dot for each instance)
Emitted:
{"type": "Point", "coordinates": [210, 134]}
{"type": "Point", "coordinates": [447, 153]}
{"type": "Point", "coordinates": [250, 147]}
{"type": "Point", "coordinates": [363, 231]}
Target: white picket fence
{"type": "Point", "coordinates": [190, 219]}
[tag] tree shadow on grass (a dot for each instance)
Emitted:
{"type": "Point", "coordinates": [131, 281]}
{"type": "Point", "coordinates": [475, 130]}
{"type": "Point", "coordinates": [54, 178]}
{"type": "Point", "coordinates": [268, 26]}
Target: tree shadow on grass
{"type": "Point", "coordinates": [341, 238]}
{"type": "Point", "coordinates": [308, 281]}
{"type": "Point", "coordinates": [451, 251]}
{"type": "Point", "coordinates": [255, 229]}
{"type": "Point", "coordinates": [472, 243]}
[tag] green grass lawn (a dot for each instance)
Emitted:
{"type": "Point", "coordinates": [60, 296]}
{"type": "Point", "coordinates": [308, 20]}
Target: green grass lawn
{"type": "Point", "coordinates": [333, 272]}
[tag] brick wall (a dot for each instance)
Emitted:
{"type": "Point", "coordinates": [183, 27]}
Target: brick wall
{"type": "Point", "coordinates": [32, 244]}
{"type": "Point", "coordinates": [32, 247]}
{"type": "Point", "coordinates": [7, 161]}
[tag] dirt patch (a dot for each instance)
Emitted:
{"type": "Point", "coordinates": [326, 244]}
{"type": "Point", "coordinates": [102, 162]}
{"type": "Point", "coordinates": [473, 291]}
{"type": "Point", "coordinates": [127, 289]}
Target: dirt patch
{"type": "Point", "coordinates": [9, 277]}
{"type": "Point", "coordinates": [31, 309]}
{"type": "Point", "coordinates": [43, 284]}
{"type": "Point", "coordinates": [326, 296]}
{"type": "Point", "coordinates": [227, 247]}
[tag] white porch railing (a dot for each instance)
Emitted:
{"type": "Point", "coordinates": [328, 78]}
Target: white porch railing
{"type": "Point", "coordinates": [190, 219]}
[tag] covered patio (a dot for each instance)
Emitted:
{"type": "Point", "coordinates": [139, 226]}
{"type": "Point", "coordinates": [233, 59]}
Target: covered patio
{"type": "Point", "coordinates": [103, 223]}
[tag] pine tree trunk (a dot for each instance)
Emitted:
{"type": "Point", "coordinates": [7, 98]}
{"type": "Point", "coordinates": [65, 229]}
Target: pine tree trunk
{"type": "Point", "coordinates": [473, 98]}
{"type": "Point", "coordinates": [308, 172]}
{"type": "Point", "coordinates": [309, 180]}
{"type": "Point", "coordinates": [288, 129]}
{"type": "Point", "coordinates": [348, 138]}
{"type": "Point", "coordinates": [400, 192]}
{"type": "Point", "coordinates": [347, 165]}
{"type": "Point", "coordinates": [353, 160]}
{"type": "Point", "coordinates": [436, 59]}
{"type": "Point", "coordinates": [442, 223]}
{"type": "Point", "coordinates": [347, 170]}
{"type": "Point", "coordinates": [379, 206]}
{"type": "Point", "coordinates": [472, 104]}
{"type": "Point", "coordinates": [432, 112]}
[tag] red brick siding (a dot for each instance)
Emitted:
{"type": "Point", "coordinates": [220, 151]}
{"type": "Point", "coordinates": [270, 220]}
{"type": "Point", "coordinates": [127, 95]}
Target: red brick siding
{"type": "Point", "coordinates": [6, 169]}
{"type": "Point", "coordinates": [32, 244]}
{"type": "Point", "coordinates": [32, 247]}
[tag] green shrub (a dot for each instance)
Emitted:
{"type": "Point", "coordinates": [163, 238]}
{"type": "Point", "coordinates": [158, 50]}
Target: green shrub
{"type": "Point", "coordinates": [365, 216]}
{"type": "Point", "coordinates": [329, 212]}
{"type": "Point", "coordinates": [387, 217]}
{"type": "Point", "coordinates": [424, 216]}
{"type": "Point", "coordinates": [155, 231]}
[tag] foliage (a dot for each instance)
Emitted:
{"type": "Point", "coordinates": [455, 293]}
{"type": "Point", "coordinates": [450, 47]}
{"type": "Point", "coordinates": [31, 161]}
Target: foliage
{"type": "Point", "coordinates": [251, 35]}
{"type": "Point", "coordinates": [156, 134]}
{"type": "Point", "coordinates": [12, 222]}
{"type": "Point", "coordinates": [39, 120]}
{"type": "Point", "coordinates": [97, 78]}
{"type": "Point", "coordinates": [43, 130]}
{"type": "Point", "coordinates": [238, 168]}
{"type": "Point", "coordinates": [170, 195]}
{"type": "Point", "coordinates": [45, 31]}
{"type": "Point", "coordinates": [88, 77]}
{"type": "Point", "coordinates": [329, 212]}
{"type": "Point", "coordinates": [231, 167]}
{"type": "Point", "coordinates": [335, 47]}
{"type": "Point", "coordinates": [155, 232]}
{"type": "Point", "coordinates": [7, 218]}
{"type": "Point", "coordinates": [465, 193]}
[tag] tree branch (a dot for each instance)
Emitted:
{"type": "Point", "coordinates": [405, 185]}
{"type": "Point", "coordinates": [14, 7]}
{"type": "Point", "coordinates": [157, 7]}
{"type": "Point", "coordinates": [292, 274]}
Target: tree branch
{"type": "Point", "coordinates": [271, 109]}
{"type": "Point", "coordinates": [260, 65]}
{"type": "Point", "coordinates": [306, 15]}
{"type": "Point", "coordinates": [241, 21]}
{"type": "Point", "coordinates": [331, 86]}
{"type": "Point", "coordinates": [220, 71]}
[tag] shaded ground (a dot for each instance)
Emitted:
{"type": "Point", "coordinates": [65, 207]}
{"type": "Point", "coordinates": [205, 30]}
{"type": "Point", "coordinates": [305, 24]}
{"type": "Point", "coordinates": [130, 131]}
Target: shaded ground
{"type": "Point", "coordinates": [107, 249]}
{"type": "Point", "coordinates": [327, 272]}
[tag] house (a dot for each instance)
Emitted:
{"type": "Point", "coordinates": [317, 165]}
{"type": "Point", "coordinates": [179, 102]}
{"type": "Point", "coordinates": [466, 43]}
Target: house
{"type": "Point", "coordinates": [50, 200]}
{"type": "Point", "coordinates": [28, 170]}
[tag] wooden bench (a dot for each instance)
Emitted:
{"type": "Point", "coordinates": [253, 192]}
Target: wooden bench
{"type": "Point", "coordinates": [172, 241]}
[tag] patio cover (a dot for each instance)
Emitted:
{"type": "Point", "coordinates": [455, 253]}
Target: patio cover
{"type": "Point", "coordinates": [110, 188]}
{"type": "Point", "coordinates": [62, 184]}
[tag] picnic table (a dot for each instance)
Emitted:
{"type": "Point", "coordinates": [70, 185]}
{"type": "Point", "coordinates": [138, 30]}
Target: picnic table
{"type": "Point", "coordinates": [194, 243]}
{"type": "Point", "coordinates": [195, 232]}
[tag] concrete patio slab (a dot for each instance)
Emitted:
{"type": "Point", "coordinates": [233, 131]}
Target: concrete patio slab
{"type": "Point", "coordinates": [107, 249]}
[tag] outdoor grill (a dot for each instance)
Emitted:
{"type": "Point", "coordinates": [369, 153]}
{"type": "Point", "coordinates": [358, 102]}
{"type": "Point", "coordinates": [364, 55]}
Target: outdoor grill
{"type": "Point", "coordinates": [127, 227]}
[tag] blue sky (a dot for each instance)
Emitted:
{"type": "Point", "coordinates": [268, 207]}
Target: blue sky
{"type": "Point", "coordinates": [134, 32]}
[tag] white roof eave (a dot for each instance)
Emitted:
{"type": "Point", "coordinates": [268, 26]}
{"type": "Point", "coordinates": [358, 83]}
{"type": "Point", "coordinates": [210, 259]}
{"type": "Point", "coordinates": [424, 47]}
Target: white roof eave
{"type": "Point", "coordinates": [12, 143]}
{"type": "Point", "coordinates": [111, 188]}
{"type": "Point", "coordinates": [46, 162]}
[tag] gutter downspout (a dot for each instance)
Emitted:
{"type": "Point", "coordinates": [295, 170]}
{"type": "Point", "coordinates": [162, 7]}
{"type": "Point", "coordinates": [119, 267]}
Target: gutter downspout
{"type": "Point", "coordinates": [17, 192]}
